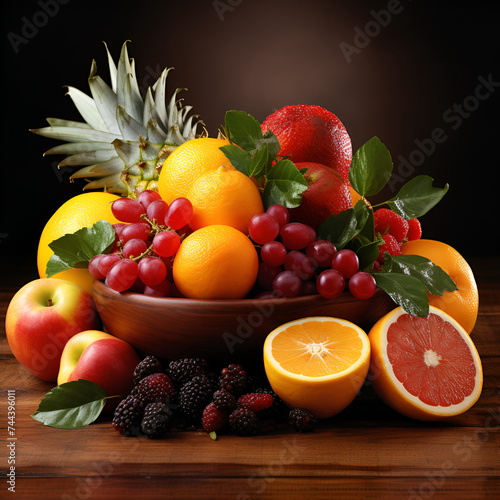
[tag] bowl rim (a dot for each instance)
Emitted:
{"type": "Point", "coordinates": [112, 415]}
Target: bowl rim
{"type": "Point", "coordinates": [103, 290]}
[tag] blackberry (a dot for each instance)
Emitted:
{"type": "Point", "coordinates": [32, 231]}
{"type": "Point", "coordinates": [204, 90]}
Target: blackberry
{"type": "Point", "coordinates": [244, 422]}
{"type": "Point", "coordinates": [233, 379]}
{"type": "Point", "coordinates": [212, 418]}
{"type": "Point", "coordinates": [147, 366]}
{"type": "Point", "coordinates": [278, 411]}
{"type": "Point", "coordinates": [224, 400]}
{"type": "Point", "coordinates": [128, 415]}
{"type": "Point", "coordinates": [183, 370]}
{"type": "Point", "coordinates": [156, 420]}
{"type": "Point", "coordinates": [256, 401]}
{"type": "Point", "coordinates": [194, 396]}
{"type": "Point", "coordinates": [302, 420]}
{"type": "Point", "coordinates": [156, 388]}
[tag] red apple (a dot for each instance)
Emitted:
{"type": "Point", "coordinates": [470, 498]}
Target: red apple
{"type": "Point", "coordinates": [42, 316]}
{"type": "Point", "coordinates": [327, 194]}
{"type": "Point", "coordinates": [100, 358]}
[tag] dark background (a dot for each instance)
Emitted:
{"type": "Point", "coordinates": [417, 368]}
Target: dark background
{"type": "Point", "coordinates": [401, 85]}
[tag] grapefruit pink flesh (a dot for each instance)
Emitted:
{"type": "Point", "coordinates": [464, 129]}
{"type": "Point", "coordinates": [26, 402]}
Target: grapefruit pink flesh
{"type": "Point", "coordinates": [431, 359]}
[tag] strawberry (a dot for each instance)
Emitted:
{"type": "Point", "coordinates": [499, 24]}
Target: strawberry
{"type": "Point", "coordinates": [390, 245]}
{"type": "Point", "coordinates": [386, 220]}
{"type": "Point", "coordinates": [255, 401]}
{"type": "Point", "coordinates": [327, 194]}
{"type": "Point", "coordinates": [212, 418]}
{"type": "Point", "coordinates": [311, 133]}
{"type": "Point", "coordinates": [156, 388]}
{"type": "Point", "coordinates": [414, 230]}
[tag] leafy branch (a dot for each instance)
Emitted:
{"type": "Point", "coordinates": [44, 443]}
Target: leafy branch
{"type": "Point", "coordinates": [256, 155]}
{"type": "Point", "coordinates": [406, 278]}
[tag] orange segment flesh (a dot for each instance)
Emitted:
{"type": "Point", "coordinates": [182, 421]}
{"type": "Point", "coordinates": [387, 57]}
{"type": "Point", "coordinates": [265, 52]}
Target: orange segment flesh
{"type": "Point", "coordinates": [317, 349]}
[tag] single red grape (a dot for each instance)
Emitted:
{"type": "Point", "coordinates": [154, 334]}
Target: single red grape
{"type": "Point", "coordinates": [152, 271]}
{"type": "Point", "coordinates": [273, 253]}
{"type": "Point", "coordinates": [122, 275]}
{"type": "Point", "coordinates": [299, 263]}
{"type": "Point", "coordinates": [94, 267]}
{"type": "Point", "coordinates": [157, 210]}
{"type": "Point", "coordinates": [287, 283]}
{"type": "Point", "coordinates": [321, 252]}
{"type": "Point", "coordinates": [295, 235]}
{"type": "Point", "coordinates": [127, 210]}
{"type": "Point", "coordinates": [166, 243]}
{"type": "Point", "coordinates": [362, 285]}
{"type": "Point", "coordinates": [148, 196]}
{"type": "Point", "coordinates": [346, 262]}
{"type": "Point", "coordinates": [179, 212]}
{"type": "Point", "coordinates": [263, 228]}
{"type": "Point", "coordinates": [106, 262]}
{"type": "Point", "coordinates": [138, 230]}
{"type": "Point", "coordinates": [134, 248]}
{"type": "Point", "coordinates": [330, 284]}
{"type": "Point", "coordinates": [280, 213]}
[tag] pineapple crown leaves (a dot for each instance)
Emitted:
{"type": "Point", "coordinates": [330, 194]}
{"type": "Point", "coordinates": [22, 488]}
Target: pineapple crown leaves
{"type": "Point", "coordinates": [116, 120]}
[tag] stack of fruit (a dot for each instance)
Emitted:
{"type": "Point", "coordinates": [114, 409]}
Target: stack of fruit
{"type": "Point", "coordinates": [271, 209]}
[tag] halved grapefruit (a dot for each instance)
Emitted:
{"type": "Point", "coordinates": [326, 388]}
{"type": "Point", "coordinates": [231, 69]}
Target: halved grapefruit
{"type": "Point", "coordinates": [425, 368]}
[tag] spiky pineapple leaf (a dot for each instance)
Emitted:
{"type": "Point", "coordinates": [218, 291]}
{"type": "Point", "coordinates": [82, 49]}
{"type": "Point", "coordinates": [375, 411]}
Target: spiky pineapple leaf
{"type": "Point", "coordinates": [130, 128]}
{"type": "Point", "coordinates": [87, 108]}
{"type": "Point", "coordinates": [73, 134]}
{"type": "Point", "coordinates": [105, 99]}
{"type": "Point", "coordinates": [112, 68]}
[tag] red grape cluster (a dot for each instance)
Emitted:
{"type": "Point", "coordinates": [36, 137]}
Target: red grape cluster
{"type": "Point", "coordinates": [146, 240]}
{"type": "Point", "coordinates": [294, 262]}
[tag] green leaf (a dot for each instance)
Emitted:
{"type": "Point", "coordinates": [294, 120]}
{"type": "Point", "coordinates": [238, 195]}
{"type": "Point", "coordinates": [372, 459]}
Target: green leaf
{"type": "Point", "coordinates": [406, 291]}
{"type": "Point", "coordinates": [435, 280]}
{"type": "Point", "coordinates": [71, 405]}
{"type": "Point", "coordinates": [284, 185]}
{"type": "Point", "coordinates": [259, 162]}
{"type": "Point", "coordinates": [371, 168]}
{"type": "Point", "coordinates": [76, 249]}
{"type": "Point", "coordinates": [416, 197]}
{"type": "Point", "coordinates": [368, 230]}
{"type": "Point", "coordinates": [343, 227]}
{"type": "Point", "coordinates": [239, 159]}
{"type": "Point", "coordinates": [243, 129]}
{"type": "Point", "coordinates": [367, 253]}
{"type": "Point", "coordinates": [271, 141]}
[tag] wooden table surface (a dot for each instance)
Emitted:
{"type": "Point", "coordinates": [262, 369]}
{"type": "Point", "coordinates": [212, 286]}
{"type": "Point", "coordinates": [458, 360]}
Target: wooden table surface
{"type": "Point", "coordinates": [367, 451]}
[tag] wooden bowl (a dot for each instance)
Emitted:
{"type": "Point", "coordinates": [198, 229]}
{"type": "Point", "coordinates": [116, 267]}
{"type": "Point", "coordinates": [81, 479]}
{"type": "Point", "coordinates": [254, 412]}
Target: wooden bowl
{"type": "Point", "coordinates": [221, 330]}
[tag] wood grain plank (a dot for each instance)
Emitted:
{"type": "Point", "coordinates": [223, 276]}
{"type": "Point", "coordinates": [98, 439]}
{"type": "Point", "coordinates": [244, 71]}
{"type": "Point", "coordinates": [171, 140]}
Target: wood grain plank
{"type": "Point", "coordinates": [261, 487]}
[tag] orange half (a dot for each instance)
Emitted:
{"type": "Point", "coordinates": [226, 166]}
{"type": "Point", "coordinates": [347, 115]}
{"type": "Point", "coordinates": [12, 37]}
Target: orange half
{"type": "Point", "coordinates": [318, 363]}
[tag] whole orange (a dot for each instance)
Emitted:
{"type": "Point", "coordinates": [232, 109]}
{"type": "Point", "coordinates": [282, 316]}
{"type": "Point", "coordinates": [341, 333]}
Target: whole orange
{"type": "Point", "coordinates": [462, 304]}
{"type": "Point", "coordinates": [216, 262]}
{"type": "Point", "coordinates": [224, 196]}
{"type": "Point", "coordinates": [82, 210]}
{"type": "Point", "coordinates": [187, 162]}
